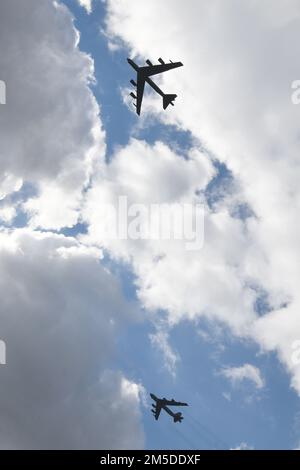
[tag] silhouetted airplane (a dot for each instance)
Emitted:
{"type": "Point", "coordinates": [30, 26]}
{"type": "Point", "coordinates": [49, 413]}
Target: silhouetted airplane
{"type": "Point", "coordinates": [143, 74]}
{"type": "Point", "coordinates": [163, 403]}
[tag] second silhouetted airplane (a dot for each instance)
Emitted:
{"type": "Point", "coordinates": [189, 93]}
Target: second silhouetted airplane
{"type": "Point", "coordinates": [163, 403]}
{"type": "Point", "coordinates": [143, 75]}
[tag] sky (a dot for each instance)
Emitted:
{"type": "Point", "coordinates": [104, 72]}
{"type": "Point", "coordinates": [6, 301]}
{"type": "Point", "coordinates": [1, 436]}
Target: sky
{"type": "Point", "coordinates": [93, 323]}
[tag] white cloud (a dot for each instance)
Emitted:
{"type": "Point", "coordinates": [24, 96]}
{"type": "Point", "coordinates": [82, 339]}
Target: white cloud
{"type": "Point", "coordinates": [160, 340]}
{"type": "Point", "coordinates": [245, 372]}
{"type": "Point", "coordinates": [234, 95]}
{"type": "Point", "coordinates": [205, 285]}
{"type": "Point", "coordinates": [7, 213]}
{"type": "Point", "coordinates": [60, 314]}
{"type": "Point", "coordinates": [87, 4]}
{"type": "Point", "coordinates": [50, 132]}
{"type": "Point", "coordinates": [9, 184]}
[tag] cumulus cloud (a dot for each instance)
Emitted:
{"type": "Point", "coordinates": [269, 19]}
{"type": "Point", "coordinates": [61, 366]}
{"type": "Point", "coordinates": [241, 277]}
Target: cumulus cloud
{"type": "Point", "coordinates": [87, 4]}
{"type": "Point", "coordinates": [234, 95]}
{"type": "Point", "coordinates": [61, 310]}
{"type": "Point", "coordinates": [60, 314]}
{"type": "Point", "coordinates": [245, 372]}
{"type": "Point", "coordinates": [147, 174]}
{"type": "Point", "coordinates": [7, 213]}
{"type": "Point", "coordinates": [205, 285]}
{"type": "Point", "coordinates": [50, 132]}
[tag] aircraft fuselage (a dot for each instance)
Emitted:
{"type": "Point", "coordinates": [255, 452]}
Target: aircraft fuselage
{"type": "Point", "coordinates": [145, 77]}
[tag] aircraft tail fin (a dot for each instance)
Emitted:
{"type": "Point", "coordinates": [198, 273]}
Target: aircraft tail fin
{"type": "Point", "coordinates": [178, 417]}
{"type": "Point", "coordinates": [168, 99]}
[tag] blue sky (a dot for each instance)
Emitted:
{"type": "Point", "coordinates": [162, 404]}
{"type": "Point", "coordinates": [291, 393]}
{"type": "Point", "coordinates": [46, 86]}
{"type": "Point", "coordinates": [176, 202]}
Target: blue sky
{"type": "Point", "coordinates": [212, 421]}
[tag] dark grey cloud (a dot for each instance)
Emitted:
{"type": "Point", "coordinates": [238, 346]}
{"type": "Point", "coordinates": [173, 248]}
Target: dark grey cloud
{"type": "Point", "coordinates": [60, 314]}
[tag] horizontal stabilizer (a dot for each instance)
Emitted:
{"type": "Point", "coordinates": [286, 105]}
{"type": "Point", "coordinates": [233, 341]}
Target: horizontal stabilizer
{"type": "Point", "coordinates": [178, 417]}
{"type": "Point", "coordinates": [133, 82]}
{"type": "Point", "coordinates": [168, 99]}
{"type": "Point", "coordinates": [148, 62]}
